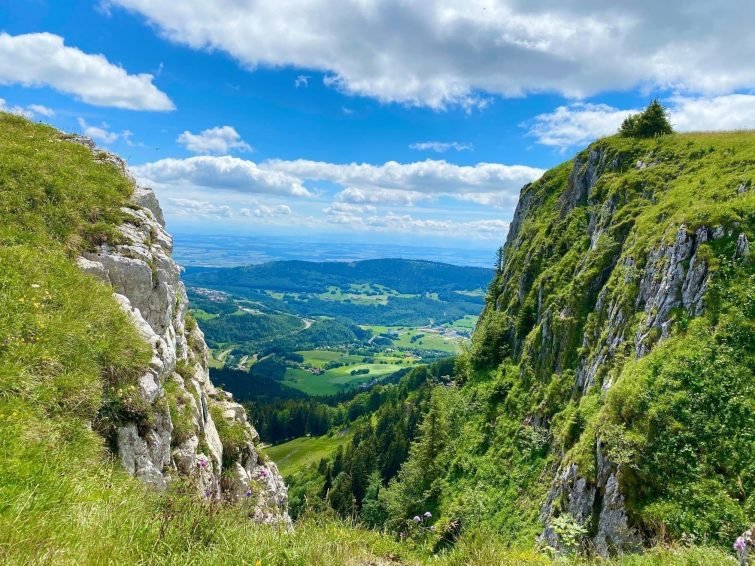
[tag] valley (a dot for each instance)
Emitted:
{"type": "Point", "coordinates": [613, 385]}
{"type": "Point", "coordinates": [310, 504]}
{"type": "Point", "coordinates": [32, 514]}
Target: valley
{"type": "Point", "coordinates": [589, 401]}
{"type": "Point", "coordinates": [327, 328]}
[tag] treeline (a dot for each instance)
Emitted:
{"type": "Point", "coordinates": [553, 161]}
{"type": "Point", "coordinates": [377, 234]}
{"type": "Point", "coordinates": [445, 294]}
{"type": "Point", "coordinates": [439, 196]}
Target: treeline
{"type": "Point", "coordinates": [244, 385]}
{"type": "Point", "coordinates": [219, 304]}
{"type": "Point", "coordinates": [403, 275]}
{"type": "Point", "coordinates": [286, 419]}
{"type": "Point", "coordinates": [399, 311]}
{"type": "Point", "coordinates": [350, 479]}
{"type": "Point", "coordinates": [244, 327]}
{"type": "Point", "coordinates": [322, 333]}
{"type": "Point", "coordinates": [255, 390]}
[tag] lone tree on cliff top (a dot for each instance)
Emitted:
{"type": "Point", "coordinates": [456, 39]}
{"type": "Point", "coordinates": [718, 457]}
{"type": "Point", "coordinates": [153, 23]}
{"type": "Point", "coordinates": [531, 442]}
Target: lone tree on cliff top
{"type": "Point", "coordinates": [652, 122]}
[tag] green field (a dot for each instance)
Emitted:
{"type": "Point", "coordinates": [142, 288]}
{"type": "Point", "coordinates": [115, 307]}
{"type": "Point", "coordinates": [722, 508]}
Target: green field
{"type": "Point", "coordinates": [363, 294]}
{"type": "Point", "coordinates": [467, 323]}
{"type": "Point", "coordinates": [199, 314]}
{"type": "Point", "coordinates": [318, 358]}
{"type": "Point", "coordinates": [430, 341]}
{"type": "Point", "coordinates": [294, 455]}
{"type": "Point", "coordinates": [333, 380]}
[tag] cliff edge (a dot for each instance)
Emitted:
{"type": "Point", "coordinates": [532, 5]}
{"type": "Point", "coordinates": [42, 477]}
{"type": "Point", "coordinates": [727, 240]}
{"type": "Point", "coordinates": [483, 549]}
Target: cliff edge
{"type": "Point", "coordinates": [195, 429]}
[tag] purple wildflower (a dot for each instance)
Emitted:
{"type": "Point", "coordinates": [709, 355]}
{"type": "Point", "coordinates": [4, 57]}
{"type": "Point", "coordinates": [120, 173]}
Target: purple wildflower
{"type": "Point", "coordinates": [263, 472]}
{"type": "Point", "coordinates": [208, 493]}
{"type": "Point", "coordinates": [202, 462]}
{"type": "Point", "coordinates": [416, 519]}
{"type": "Point", "coordinates": [740, 544]}
{"type": "Point", "coordinates": [427, 515]}
{"type": "Point", "coordinates": [248, 492]}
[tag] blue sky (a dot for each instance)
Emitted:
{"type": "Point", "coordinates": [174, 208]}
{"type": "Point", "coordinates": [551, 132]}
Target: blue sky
{"type": "Point", "coordinates": [406, 122]}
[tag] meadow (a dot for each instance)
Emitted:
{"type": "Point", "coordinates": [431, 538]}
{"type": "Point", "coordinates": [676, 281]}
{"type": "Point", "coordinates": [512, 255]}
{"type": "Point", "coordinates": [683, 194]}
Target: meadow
{"type": "Point", "coordinates": [295, 455]}
{"type": "Point", "coordinates": [337, 379]}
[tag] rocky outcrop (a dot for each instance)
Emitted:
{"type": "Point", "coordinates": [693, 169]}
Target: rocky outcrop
{"type": "Point", "coordinates": [675, 277]}
{"type": "Point", "coordinates": [146, 283]}
{"type": "Point", "coordinates": [597, 505]}
{"type": "Point", "coordinates": [622, 301]}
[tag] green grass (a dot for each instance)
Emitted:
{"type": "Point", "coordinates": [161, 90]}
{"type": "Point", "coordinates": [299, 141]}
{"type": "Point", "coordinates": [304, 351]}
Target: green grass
{"type": "Point", "coordinates": [319, 358]}
{"type": "Point", "coordinates": [473, 293]}
{"type": "Point", "coordinates": [295, 455]}
{"type": "Point", "coordinates": [333, 380]}
{"type": "Point", "coordinates": [364, 294]}
{"type": "Point", "coordinates": [466, 324]}
{"type": "Point", "coordinates": [199, 314]}
{"type": "Point", "coordinates": [430, 341]}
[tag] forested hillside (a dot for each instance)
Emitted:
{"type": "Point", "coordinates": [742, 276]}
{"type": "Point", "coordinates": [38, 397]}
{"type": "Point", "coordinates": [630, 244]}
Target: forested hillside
{"type": "Point", "coordinates": [403, 275]}
{"type": "Point", "coordinates": [606, 402]}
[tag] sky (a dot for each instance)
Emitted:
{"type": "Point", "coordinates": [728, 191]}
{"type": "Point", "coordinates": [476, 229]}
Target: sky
{"type": "Point", "coordinates": [410, 122]}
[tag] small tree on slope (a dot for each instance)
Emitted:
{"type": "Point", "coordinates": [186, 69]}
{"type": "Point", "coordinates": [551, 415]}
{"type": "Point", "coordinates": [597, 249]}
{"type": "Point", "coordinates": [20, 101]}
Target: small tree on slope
{"type": "Point", "coordinates": [652, 122]}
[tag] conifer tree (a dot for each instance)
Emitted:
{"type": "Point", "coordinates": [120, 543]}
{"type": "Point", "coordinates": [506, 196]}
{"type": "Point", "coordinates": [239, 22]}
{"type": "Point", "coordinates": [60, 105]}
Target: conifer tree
{"type": "Point", "coordinates": [650, 123]}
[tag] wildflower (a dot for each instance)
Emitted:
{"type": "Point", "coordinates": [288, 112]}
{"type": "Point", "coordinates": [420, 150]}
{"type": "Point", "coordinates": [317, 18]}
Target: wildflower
{"type": "Point", "coordinates": [416, 519]}
{"type": "Point", "coordinates": [740, 544]}
{"type": "Point", "coordinates": [202, 462]}
{"type": "Point", "coordinates": [432, 527]}
{"type": "Point", "coordinates": [248, 492]}
{"type": "Point", "coordinates": [208, 493]}
{"type": "Point", "coordinates": [427, 515]}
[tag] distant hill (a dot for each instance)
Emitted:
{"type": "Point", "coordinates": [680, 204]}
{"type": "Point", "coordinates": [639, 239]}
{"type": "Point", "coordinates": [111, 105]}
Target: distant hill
{"type": "Point", "coordinates": [402, 275]}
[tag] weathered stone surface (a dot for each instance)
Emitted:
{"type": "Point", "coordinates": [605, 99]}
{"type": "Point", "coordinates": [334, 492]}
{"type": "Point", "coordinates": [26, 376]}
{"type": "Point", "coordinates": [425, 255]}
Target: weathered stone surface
{"type": "Point", "coordinates": [583, 501]}
{"type": "Point", "coordinates": [743, 247]}
{"type": "Point", "coordinates": [146, 198]}
{"type": "Point", "coordinates": [146, 283]}
{"type": "Point", "coordinates": [675, 277]}
{"type": "Point", "coordinates": [139, 458]}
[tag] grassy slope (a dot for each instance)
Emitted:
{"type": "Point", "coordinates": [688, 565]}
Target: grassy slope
{"type": "Point", "coordinates": [66, 350]}
{"type": "Point", "coordinates": [294, 455]}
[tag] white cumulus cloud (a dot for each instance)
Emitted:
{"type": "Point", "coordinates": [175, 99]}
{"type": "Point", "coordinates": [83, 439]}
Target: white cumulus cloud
{"type": "Point", "coordinates": [577, 124]}
{"type": "Point", "coordinates": [580, 123]}
{"type": "Point", "coordinates": [216, 141]}
{"type": "Point", "coordinates": [391, 183]}
{"type": "Point", "coordinates": [41, 110]}
{"type": "Point", "coordinates": [101, 133]}
{"type": "Point", "coordinates": [480, 229]}
{"type": "Point", "coordinates": [441, 147]}
{"type": "Point", "coordinates": [226, 172]}
{"type": "Point", "coordinates": [42, 59]}
{"type": "Point", "coordinates": [265, 211]}
{"type": "Point", "coordinates": [429, 176]}
{"type": "Point", "coordinates": [438, 53]}
{"type": "Point", "coordinates": [15, 109]}
{"type": "Point", "coordinates": [399, 197]}
{"type": "Point", "coordinates": [728, 112]}
{"type": "Point", "coordinates": [192, 208]}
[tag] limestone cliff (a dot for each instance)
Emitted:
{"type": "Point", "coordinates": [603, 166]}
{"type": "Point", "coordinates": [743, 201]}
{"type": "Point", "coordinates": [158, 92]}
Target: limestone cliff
{"type": "Point", "coordinates": [197, 430]}
{"type": "Point", "coordinates": [608, 257]}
